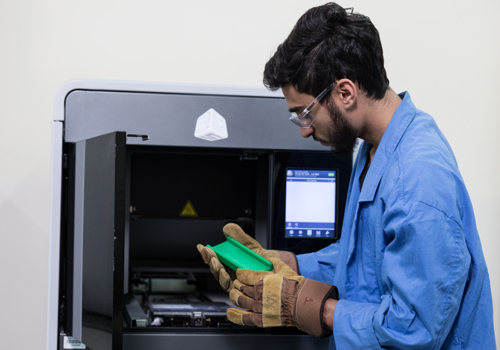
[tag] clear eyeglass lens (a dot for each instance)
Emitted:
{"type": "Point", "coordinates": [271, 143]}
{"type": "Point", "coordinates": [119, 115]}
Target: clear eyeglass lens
{"type": "Point", "coordinates": [307, 119]}
{"type": "Point", "coordinates": [302, 120]}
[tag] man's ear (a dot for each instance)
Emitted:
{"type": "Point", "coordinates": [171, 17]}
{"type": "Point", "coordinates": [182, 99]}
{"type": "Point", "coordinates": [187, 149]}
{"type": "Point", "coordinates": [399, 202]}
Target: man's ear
{"type": "Point", "coordinates": [346, 92]}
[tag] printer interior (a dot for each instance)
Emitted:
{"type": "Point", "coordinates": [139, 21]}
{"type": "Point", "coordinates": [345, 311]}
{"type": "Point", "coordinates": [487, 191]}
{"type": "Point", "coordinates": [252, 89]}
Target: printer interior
{"type": "Point", "coordinates": [178, 199]}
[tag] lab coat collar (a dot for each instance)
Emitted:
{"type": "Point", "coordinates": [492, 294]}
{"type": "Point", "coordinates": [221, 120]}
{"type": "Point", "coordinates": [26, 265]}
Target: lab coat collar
{"type": "Point", "coordinates": [404, 115]}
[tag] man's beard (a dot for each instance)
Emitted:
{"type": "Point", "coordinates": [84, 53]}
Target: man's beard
{"type": "Point", "coordinates": [341, 135]}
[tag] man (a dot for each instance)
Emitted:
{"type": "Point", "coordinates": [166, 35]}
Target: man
{"type": "Point", "coordinates": [409, 267]}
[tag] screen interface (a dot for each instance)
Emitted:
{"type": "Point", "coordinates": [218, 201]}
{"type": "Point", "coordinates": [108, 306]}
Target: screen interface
{"type": "Point", "coordinates": [310, 203]}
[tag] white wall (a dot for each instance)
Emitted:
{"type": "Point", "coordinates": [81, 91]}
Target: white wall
{"type": "Point", "coordinates": [445, 53]}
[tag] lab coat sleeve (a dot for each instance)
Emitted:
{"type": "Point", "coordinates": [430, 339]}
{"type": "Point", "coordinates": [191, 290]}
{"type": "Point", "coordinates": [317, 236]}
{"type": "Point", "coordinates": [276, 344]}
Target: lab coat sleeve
{"type": "Point", "coordinates": [320, 265]}
{"type": "Point", "coordinates": [424, 271]}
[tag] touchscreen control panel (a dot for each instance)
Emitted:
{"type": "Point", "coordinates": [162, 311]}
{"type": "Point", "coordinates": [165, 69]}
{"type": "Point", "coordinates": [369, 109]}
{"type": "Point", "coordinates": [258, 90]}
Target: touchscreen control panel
{"type": "Point", "coordinates": [310, 203]}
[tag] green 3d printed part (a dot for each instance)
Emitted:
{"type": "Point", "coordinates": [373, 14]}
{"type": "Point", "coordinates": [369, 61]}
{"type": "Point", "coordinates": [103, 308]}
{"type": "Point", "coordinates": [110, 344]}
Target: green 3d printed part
{"type": "Point", "coordinates": [236, 256]}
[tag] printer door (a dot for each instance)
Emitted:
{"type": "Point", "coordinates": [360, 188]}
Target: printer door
{"type": "Point", "coordinates": [102, 164]}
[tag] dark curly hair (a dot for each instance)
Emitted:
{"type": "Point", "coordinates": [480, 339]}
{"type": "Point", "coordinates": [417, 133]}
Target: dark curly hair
{"type": "Point", "coordinates": [329, 43]}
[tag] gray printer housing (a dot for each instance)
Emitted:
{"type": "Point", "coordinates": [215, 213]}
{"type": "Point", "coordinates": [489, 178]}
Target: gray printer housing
{"type": "Point", "coordinates": [102, 239]}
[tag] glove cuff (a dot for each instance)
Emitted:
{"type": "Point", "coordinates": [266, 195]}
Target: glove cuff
{"type": "Point", "coordinates": [290, 259]}
{"type": "Point", "coordinates": [308, 313]}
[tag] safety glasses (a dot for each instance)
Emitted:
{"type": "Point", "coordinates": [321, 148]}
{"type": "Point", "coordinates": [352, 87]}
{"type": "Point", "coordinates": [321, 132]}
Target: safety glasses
{"type": "Point", "coordinates": [306, 118]}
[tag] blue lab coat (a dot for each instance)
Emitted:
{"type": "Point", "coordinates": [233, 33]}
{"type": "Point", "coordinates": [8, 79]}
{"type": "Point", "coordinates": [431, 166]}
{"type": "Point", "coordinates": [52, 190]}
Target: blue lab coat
{"type": "Point", "coordinates": [409, 266]}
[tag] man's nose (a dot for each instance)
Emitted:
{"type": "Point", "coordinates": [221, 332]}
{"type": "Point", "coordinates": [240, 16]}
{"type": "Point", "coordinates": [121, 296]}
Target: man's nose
{"type": "Point", "coordinates": [306, 132]}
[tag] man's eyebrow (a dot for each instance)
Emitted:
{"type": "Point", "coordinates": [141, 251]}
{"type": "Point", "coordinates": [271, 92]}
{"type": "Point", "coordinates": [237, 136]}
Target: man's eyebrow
{"type": "Point", "coordinates": [296, 109]}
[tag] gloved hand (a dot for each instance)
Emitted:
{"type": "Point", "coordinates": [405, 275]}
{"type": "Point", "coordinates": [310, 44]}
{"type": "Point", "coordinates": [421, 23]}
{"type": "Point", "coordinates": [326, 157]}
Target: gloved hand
{"type": "Point", "coordinates": [235, 232]}
{"type": "Point", "coordinates": [280, 298]}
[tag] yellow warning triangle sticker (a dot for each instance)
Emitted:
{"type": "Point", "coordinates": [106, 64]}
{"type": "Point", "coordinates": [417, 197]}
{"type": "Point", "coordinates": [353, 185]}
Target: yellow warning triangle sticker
{"type": "Point", "coordinates": [188, 210]}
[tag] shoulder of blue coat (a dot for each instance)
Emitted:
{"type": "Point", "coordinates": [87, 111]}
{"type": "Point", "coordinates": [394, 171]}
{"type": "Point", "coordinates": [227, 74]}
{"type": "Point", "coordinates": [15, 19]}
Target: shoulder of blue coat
{"type": "Point", "coordinates": [423, 167]}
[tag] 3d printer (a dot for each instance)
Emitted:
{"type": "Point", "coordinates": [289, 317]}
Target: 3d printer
{"type": "Point", "coordinates": [141, 173]}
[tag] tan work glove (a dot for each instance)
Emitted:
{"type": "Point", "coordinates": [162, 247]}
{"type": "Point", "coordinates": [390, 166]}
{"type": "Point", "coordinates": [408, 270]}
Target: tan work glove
{"type": "Point", "coordinates": [235, 232]}
{"type": "Point", "coordinates": [280, 298]}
